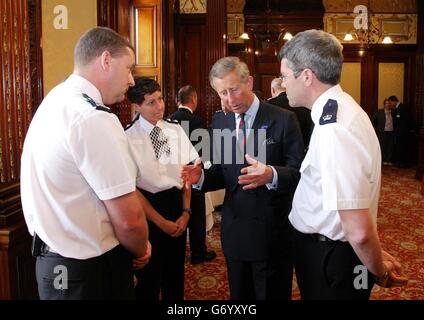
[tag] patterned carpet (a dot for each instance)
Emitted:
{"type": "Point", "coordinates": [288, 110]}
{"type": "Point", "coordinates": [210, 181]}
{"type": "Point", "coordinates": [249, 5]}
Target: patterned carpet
{"type": "Point", "coordinates": [401, 230]}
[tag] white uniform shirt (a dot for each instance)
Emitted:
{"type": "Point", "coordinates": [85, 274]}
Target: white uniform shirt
{"type": "Point", "coordinates": [74, 156]}
{"type": "Point", "coordinates": [341, 171]}
{"type": "Point", "coordinates": [155, 175]}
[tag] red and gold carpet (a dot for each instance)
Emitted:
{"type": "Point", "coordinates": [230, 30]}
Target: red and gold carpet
{"type": "Point", "coordinates": [401, 230]}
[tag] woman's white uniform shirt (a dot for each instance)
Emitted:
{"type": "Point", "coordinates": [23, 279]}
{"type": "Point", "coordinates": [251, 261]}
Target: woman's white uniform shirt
{"type": "Point", "coordinates": [155, 175]}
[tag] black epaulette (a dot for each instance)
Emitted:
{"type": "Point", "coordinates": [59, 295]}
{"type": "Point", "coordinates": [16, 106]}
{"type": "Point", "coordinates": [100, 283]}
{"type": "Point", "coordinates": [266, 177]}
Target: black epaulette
{"type": "Point", "coordinates": [96, 105]}
{"type": "Point", "coordinates": [137, 116]}
{"type": "Point", "coordinates": [172, 121]}
{"type": "Point", "coordinates": [329, 112]}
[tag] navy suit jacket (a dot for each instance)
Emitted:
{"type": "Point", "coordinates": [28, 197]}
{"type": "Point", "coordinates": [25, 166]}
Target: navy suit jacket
{"type": "Point", "coordinates": [194, 122]}
{"type": "Point", "coordinates": [303, 115]}
{"type": "Point", "coordinates": [254, 221]}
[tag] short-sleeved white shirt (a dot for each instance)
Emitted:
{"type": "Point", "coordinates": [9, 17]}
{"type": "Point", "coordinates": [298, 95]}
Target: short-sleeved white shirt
{"type": "Point", "coordinates": [155, 175]}
{"type": "Point", "coordinates": [341, 170]}
{"type": "Point", "coordinates": [74, 156]}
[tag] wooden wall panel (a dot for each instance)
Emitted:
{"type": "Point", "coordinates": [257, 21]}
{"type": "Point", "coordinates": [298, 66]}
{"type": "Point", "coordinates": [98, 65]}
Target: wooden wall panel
{"type": "Point", "coordinates": [216, 49]}
{"type": "Point", "coordinates": [148, 38]}
{"type": "Point", "coordinates": [194, 62]}
{"type": "Point", "coordinates": [15, 87]}
{"type": "Point", "coordinates": [20, 67]}
{"type": "Point", "coordinates": [170, 10]}
{"type": "Point", "coordinates": [145, 39]}
{"type": "Point", "coordinates": [419, 90]}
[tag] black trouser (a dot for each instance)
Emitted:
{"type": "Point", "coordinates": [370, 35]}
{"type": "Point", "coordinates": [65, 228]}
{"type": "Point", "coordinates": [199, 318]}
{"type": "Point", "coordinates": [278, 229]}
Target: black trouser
{"type": "Point", "coordinates": [164, 274]}
{"type": "Point", "coordinates": [269, 279]}
{"type": "Point", "coordinates": [197, 224]}
{"type": "Point", "coordinates": [325, 270]}
{"type": "Point", "coordinates": [400, 151]}
{"type": "Point", "coordinates": [108, 276]}
{"type": "Point", "coordinates": [387, 141]}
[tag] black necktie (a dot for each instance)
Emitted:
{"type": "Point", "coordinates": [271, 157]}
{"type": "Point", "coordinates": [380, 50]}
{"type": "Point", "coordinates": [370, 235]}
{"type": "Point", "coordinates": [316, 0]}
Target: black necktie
{"type": "Point", "coordinates": [159, 142]}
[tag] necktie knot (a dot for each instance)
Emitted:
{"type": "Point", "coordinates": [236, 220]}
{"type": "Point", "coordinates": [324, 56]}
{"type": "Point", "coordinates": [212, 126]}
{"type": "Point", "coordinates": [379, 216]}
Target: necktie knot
{"type": "Point", "coordinates": [159, 142]}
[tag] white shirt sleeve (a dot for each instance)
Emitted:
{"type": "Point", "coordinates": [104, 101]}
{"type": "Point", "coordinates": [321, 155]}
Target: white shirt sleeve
{"type": "Point", "coordinates": [344, 166]}
{"type": "Point", "coordinates": [100, 149]}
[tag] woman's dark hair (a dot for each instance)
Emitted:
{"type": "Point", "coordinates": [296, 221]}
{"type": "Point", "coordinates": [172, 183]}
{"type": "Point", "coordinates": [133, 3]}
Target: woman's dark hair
{"type": "Point", "coordinates": [142, 86]}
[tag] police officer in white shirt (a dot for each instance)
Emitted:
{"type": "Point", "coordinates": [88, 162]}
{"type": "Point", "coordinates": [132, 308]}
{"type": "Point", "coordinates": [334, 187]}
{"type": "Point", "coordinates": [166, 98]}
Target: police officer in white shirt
{"type": "Point", "coordinates": [335, 204]}
{"type": "Point", "coordinates": [78, 179]}
{"type": "Point", "coordinates": [160, 149]}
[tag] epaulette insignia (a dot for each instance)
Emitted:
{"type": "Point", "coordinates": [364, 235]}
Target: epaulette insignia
{"type": "Point", "coordinates": [171, 121]}
{"type": "Point", "coordinates": [329, 113]}
{"type": "Point", "coordinates": [137, 116]}
{"type": "Point", "coordinates": [95, 105]}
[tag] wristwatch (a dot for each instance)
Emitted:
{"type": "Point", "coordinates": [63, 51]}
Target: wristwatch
{"type": "Point", "coordinates": [188, 210]}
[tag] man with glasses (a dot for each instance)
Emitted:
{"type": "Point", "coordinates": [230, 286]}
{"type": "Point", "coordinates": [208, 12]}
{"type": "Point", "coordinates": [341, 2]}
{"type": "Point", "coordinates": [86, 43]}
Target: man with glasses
{"type": "Point", "coordinates": [335, 204]}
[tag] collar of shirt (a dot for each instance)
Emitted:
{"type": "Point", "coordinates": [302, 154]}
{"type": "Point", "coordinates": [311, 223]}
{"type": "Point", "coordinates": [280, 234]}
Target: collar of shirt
{"type": "Point", "coordinates": [147, 126]}
{"type": "Point", "coordinates": [185, 107]}
{"type": "Point", "coordinates": [86, 87]}
{"type": "Point", "coordinates": [250, 114]}
{"type": "Point", "coordinates": [318, 106]}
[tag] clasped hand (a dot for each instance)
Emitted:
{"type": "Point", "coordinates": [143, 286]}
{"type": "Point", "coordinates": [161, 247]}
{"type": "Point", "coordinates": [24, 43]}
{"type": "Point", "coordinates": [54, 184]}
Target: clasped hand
{"type": "Point", "coordinates": [140, 262]}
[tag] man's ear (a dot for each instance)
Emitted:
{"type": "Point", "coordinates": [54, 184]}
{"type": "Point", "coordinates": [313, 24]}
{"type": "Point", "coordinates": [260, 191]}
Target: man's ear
{"type": "Point", "coordinates": [308, 76]}
{"type": "Point", "coordinates": [136, 107]}
{"type": "Point", "coordinates": [105, 60]}
{"type": "Point", "coordinates": [250, 83]}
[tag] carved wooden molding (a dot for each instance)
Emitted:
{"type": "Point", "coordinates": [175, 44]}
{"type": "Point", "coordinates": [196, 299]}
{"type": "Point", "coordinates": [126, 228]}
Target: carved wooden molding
{"type": "Point", "coordinates": [382, 6]}
{"type": "Point", "coordinates": [193, 6]}
{"type": "Point", "coordinates": [402, 28]}
{"type": "Point", "coordinates": [10, 204]}
{"type": "Point", "coordinates": [235, 27]}
{"type": "Point", "coordinates": [235, 6]}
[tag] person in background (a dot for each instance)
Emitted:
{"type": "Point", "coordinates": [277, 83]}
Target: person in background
{"type": "Point", "coordinates": [187, 105]}
{"type": "Point", "coordinates": [78, 179]}
{"type": "Point", "coordinates": [255, 233]}
{"type": "Point", "coordinates": [335, 205]}
{"type": "Point", "coordinates": [383, 124]}
{"type": "Point", "coordinates": [402, 127]}
{"type": "Point", "coordinates": [160, 149]}
{"type": "Point", "coordinates": [303, 115]}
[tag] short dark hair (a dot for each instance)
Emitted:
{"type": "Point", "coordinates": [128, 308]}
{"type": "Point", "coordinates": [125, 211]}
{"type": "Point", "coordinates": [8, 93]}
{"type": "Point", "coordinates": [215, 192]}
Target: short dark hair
{"type": "Point", "coordinates": [393, 98]}
{"type": "Point", "coordinates": [142, 86]}
{"type": "Point", "coordinates": [97, 40]}
{"type": "Point", "coordinates": [186, 94]}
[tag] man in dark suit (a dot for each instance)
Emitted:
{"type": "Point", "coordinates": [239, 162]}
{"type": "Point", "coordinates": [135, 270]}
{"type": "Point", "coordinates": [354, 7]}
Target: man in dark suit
{"type": "Point", "coordinates": [187, 104]}
{"type": "Point", "coordinates": [401, 128]}
{"type": "Point", "coordinates": [255, 233]}
{"type": "Point", "coordinates": [383, 125]}
{"type": "Point", "coordinates": [303, 115]}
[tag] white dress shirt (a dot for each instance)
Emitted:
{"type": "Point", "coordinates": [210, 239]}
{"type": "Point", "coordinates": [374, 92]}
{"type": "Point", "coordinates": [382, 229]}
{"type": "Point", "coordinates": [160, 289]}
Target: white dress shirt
{"type": "Point", "coordinates": [155, 175]}
{"type": "Point", "coordinates": [74, 157]}
{"type": "Point", "coordinates": [341, 170]}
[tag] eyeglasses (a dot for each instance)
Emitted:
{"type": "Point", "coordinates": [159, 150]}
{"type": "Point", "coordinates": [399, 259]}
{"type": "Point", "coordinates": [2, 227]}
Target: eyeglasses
{"type": "Point", "coordinates": [294, 73]}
